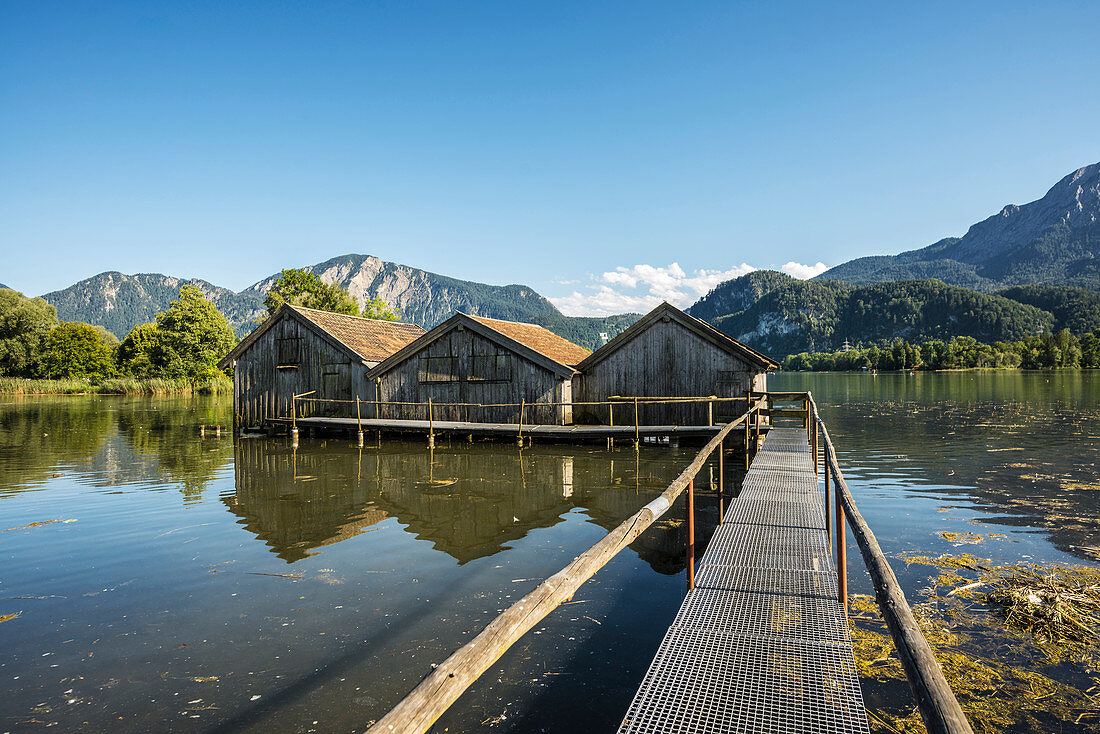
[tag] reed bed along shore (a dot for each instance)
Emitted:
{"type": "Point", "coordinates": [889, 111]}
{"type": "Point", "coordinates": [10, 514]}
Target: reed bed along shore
{"type": "Point", "coordinates": [117, 386]}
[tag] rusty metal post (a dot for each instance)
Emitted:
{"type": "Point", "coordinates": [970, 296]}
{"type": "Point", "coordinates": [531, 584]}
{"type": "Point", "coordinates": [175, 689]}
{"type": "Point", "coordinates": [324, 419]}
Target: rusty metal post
{"type": "Point", "coordinates": [828, 523]}
{"type": "Point", "coordinates": [721, 479]}
{"type": "Point", "coordinates": [748, 428]}
{"type": "Point", "coordinates": [813, 444]}
{"type": "Point", "coordinates": [756, 427]}
{"type": "Point", "coordinates": [841, 554]}
{"type": "Point", "coordinates": [690, 551]}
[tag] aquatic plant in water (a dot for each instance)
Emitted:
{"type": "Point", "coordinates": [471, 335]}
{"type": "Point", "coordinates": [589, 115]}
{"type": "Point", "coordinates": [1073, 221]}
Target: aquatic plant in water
{"type": "Point", "coordinates": [1019, 644]}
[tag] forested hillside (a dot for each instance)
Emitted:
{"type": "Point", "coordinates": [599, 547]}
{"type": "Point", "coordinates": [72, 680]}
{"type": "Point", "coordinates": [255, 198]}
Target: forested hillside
{"type": "Point", "coordinates": [1076, 309]}
{"type": "Point", "coordinates": [816, 315]}
{"type": "Point", "coordinates": [119, 302]}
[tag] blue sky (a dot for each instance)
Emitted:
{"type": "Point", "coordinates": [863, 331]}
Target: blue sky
{"type": "Point", "coordinates": [603, 153]}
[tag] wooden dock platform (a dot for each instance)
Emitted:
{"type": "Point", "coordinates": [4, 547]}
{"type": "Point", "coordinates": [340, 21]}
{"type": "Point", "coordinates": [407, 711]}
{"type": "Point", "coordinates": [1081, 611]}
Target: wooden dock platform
{"type": "Point", "coordinates": [501, 430]}
{"type": "Point", "coordinates": [761, 643]}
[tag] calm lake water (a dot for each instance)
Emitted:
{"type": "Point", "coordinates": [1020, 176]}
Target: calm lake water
{"type": "Point", "coordinates": [165, 581]}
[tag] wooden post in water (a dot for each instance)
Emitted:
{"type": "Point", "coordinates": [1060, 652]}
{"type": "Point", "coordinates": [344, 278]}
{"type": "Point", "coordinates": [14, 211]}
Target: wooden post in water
{"type": "Point", "coordinates": [690, 550]}
{"type": "Point", "coordinates": [637, 441]}
{"type": "Point", "coordinates": [293, 421]}
{"type": "Point", "coordinates": [841, 555]}
{"type": "Point", "coordinates": [519, 436]}
{"type": "Point", "coordinates": [611, 422]}
{"type": "Point", "coordinates": [431, 426]}
{"type": "Point", "coordinates": [359, 422]}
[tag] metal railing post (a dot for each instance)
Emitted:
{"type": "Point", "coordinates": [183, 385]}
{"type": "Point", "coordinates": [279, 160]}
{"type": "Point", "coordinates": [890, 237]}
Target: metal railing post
{"type": "Point", "coordinates": [721, 479]}
{"type": "Point", "coordinates": [841, 554]}
{"type": "Point", "coordinates": [690, 549]}
{"type": "Point", "coordinates": [828, 518]}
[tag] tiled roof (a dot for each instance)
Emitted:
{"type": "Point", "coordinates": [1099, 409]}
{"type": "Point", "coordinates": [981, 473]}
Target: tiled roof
{"type": "Point", "coordinates": [539, 339]}
{"type": "Point", "coordinates": [371, 339]}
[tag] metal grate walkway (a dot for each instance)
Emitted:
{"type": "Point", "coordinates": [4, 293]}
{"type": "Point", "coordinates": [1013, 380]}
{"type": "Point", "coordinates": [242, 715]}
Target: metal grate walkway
{"type": "Point", "coordinates": [761, 644]}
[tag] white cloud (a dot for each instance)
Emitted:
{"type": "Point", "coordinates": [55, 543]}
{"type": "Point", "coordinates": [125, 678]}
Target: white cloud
{"type": "Point", "coordinates": [641, 287]}
{"type": "Point", "coordinates": [804, 272]}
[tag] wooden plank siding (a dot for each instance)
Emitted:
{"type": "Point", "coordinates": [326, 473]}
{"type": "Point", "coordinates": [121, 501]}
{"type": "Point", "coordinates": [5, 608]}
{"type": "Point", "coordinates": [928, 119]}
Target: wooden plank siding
{"type": "Point", "coordinates": [666, 360]}
{"type": "Point", "coordinates": [291, 358]}
{"type": "Point", "coordinates": [462, 366]}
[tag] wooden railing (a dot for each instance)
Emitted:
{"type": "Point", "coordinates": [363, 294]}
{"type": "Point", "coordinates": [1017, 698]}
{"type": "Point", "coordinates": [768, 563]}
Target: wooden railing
{"type": "Point", "coordinates": [428, 701]}
{"type": "Point", "coordinates": [935, 700]}
{"type": "Point", "coordinates": [430, 410]}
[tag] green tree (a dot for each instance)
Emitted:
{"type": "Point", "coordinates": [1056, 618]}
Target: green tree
{"type": "Point", "coordinates": [1090, 350]}
{"type": "Point", "coordinates": [302, 288]}
{"type": "Point", "coordinates": [80, 351]}
{"type": "Point", "coordinates": [140, 351]}
{"type": "Point", "coordinates": [376, 308]}
{"type": "Point", "coordinates": [193, 335]}
{"type": "Point", "coordinates": [25, 324]}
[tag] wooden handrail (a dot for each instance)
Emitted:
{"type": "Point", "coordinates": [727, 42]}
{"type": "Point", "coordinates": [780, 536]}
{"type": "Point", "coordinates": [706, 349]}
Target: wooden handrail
{"type": "Point", "coordinates": [935, 700]}
{"type": "Point", "coordinates": [613, 402]}
{"type": "Point", "coordinates": [428, 701]}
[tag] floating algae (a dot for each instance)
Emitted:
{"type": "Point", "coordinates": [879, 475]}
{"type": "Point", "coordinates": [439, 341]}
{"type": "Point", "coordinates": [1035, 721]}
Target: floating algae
{"type": "Point", "coordinates": [1019, 645]}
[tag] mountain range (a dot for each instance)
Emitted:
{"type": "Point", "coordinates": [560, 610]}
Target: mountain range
{"type": "Point", "coordinates": [1055, 239]}
{"type": "Point", "coordinates": [1027, 269]}
{"type": "Point", "coordinates": [119, 302]}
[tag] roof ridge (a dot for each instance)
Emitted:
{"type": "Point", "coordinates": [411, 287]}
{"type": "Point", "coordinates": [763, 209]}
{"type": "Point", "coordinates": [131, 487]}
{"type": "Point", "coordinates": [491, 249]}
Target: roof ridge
{"type": "Point", "coordinates": [296, 307]}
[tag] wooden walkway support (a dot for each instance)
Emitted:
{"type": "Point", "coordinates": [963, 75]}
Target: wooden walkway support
{"type": "Point", "coordinates": [498, 430]}
{"type": "Point", "coordinates": [761, 643]}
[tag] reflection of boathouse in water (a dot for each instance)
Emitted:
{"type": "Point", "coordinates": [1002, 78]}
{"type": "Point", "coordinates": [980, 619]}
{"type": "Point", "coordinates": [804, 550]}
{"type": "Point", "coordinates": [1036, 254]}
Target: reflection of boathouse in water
{"type": "Point", "coordinates": [468, 503]}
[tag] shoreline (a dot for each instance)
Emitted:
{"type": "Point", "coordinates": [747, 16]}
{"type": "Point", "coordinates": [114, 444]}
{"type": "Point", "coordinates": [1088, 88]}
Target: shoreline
{"type": "Point", "coordinates": [117, 386]}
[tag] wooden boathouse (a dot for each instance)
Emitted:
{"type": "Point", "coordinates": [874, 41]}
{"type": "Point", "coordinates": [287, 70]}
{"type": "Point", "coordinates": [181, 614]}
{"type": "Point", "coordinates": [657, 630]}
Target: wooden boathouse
{"type": "Point", "coordinates": [480, 370]}
{"type": "Point", "coordinates": [669, 354]}
{"type": "Point", "coordinates": [300, 350]}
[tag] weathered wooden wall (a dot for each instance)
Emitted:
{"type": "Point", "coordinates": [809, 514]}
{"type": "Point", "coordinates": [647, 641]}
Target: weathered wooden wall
{"type": "Point", "coordinates": [288, 359]}
{"type": "Point", "coordinates": [453, 368]}
{"type": "Point", "coordinates": [666, 360]}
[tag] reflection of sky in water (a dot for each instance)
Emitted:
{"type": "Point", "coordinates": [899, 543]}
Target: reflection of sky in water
{"type": "Point", "coordinates": [981, 452]}
{"type": "Point", "coordinates": [197, 575]}
{"type": "Point", "coordinates": [327, 580]}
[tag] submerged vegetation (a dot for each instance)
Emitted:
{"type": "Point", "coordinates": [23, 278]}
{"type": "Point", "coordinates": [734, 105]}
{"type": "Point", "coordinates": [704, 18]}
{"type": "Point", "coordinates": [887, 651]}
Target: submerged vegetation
{"type": "Point", "coordinates": [1019, 644]}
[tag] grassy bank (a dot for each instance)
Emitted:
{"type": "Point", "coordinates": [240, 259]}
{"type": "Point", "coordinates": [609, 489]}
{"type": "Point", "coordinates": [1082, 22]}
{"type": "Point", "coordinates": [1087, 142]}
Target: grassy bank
{"type": "Point", "coordinates": [116, 386]}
